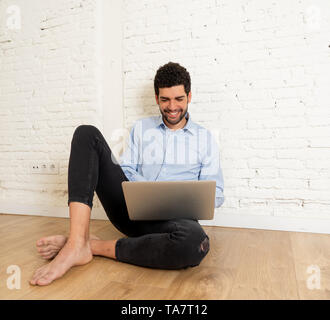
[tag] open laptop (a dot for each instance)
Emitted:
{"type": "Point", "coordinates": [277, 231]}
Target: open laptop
{"type": "Point", "coordinates": [165, 200]}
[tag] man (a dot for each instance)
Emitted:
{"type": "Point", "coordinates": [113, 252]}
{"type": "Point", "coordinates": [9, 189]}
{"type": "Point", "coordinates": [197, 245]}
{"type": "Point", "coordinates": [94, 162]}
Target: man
{"type": "Point", "coordinates": [168, 147]}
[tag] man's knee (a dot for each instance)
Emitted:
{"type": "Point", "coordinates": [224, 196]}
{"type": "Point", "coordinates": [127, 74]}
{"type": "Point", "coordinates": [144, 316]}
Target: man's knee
{"type": "Point", "coordinates": [205, 245]}
{"type": "Point", "coordinates": [199, 250]}
{"type": "Point", "coordinates": [85, 130]}
{"type": "Point", "coordinates": [194, 246]}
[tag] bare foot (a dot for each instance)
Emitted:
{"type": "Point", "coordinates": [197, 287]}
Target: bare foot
{"type": "Point", "coordinates": [48, 247]}
{"type": "Point", "coordinates": [72, 254]}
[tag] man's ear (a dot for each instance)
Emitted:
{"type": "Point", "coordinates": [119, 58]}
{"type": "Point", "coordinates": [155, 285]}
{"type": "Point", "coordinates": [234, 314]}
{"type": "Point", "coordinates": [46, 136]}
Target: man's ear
{"type": "Point", "coordinates": [157, 100]}
{"type": "Point", "coordinates": [189, 97]}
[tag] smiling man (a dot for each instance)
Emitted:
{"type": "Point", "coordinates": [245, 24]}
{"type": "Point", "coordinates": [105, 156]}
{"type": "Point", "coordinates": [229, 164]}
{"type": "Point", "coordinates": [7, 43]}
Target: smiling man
{"type": "Point", "coordinates": [173, 106]}
{"type": "Point", "coordinates": [166, 147]}
{"type": "Point", "coordinates": [171, 146]}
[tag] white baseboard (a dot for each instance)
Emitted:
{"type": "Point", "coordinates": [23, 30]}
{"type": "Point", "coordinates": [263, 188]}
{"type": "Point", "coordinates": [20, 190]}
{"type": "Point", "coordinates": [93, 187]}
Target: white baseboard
{"type": "Point", "coordinates": [294, 224]}
{"type": "Point", "coordinates": [58, 212]}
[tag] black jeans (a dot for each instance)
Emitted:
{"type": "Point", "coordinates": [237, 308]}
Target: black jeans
{"type": "Point", "coordinates": [165, 244]}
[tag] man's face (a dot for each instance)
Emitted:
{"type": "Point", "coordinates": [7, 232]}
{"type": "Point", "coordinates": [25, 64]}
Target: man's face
{"type": "Point", "coordinates": [173, 104]}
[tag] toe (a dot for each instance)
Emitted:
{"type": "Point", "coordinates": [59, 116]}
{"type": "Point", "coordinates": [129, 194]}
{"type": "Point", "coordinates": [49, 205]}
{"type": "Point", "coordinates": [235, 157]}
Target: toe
{"type": "Point", "coordinates": [49, 255]}
{"type": "Point", "coordinates": [48, 249]}
{"type": "Point", "coordinates": [42, 281]}
{"type": "Point", "coordinates": [46, 279]}
{"type": "Point", "coordinates": [38, 273]}
{"type": "Point", "coordinates": [40, 243]}
{"type": "Point", "coordinates": [34, 279]}
{"type": "Point", "coordinates": [44, 250]}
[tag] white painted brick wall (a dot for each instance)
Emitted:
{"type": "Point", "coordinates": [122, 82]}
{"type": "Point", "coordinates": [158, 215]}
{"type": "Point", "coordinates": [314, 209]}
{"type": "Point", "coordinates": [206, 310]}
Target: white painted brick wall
{"type": "Point", "coordinates": [48, 87]}
{"type": "Point", "coordinates": [260, 76]}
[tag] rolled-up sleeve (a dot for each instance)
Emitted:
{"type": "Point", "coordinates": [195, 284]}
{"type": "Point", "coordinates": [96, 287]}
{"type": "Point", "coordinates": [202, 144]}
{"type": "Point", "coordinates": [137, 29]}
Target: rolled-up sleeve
{"type": "Point", "coordinates": [129, 161]}
{"type": "Point", "coordinates": [211, 170]}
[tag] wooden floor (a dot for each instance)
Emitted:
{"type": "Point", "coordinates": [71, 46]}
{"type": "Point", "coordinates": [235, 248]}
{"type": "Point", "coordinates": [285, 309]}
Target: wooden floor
{"type": "Point", "coordinates": [241, 264]}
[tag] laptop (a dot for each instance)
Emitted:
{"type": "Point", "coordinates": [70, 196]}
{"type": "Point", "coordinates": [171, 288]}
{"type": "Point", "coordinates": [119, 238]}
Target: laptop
{"type": "Point", "coordinates": [166, 200]}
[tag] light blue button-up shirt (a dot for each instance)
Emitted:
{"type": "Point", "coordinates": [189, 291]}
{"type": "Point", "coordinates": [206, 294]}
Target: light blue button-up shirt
{"type": "Point", "coordinates": [154, 152]}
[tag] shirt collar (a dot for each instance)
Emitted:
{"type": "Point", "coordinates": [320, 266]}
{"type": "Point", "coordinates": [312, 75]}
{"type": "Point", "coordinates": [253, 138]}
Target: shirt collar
{"type": "Point", "coordinates": [188, 127]}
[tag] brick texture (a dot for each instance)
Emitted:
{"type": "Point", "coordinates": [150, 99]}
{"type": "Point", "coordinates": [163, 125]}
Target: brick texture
{"type": "Point", "coordinates": [47, 88]}
{"type": "Point", "coordinates": [260, 77]}
{"type": "Point", "coordinates": [260, 72]}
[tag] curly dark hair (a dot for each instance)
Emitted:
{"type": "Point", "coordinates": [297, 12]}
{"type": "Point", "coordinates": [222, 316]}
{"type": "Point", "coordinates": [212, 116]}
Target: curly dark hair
{"type": "Point", "coordinates": [172, 74]}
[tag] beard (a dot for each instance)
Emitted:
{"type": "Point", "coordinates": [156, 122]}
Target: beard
{"type": "Point", "coordinates": [177, 119]}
